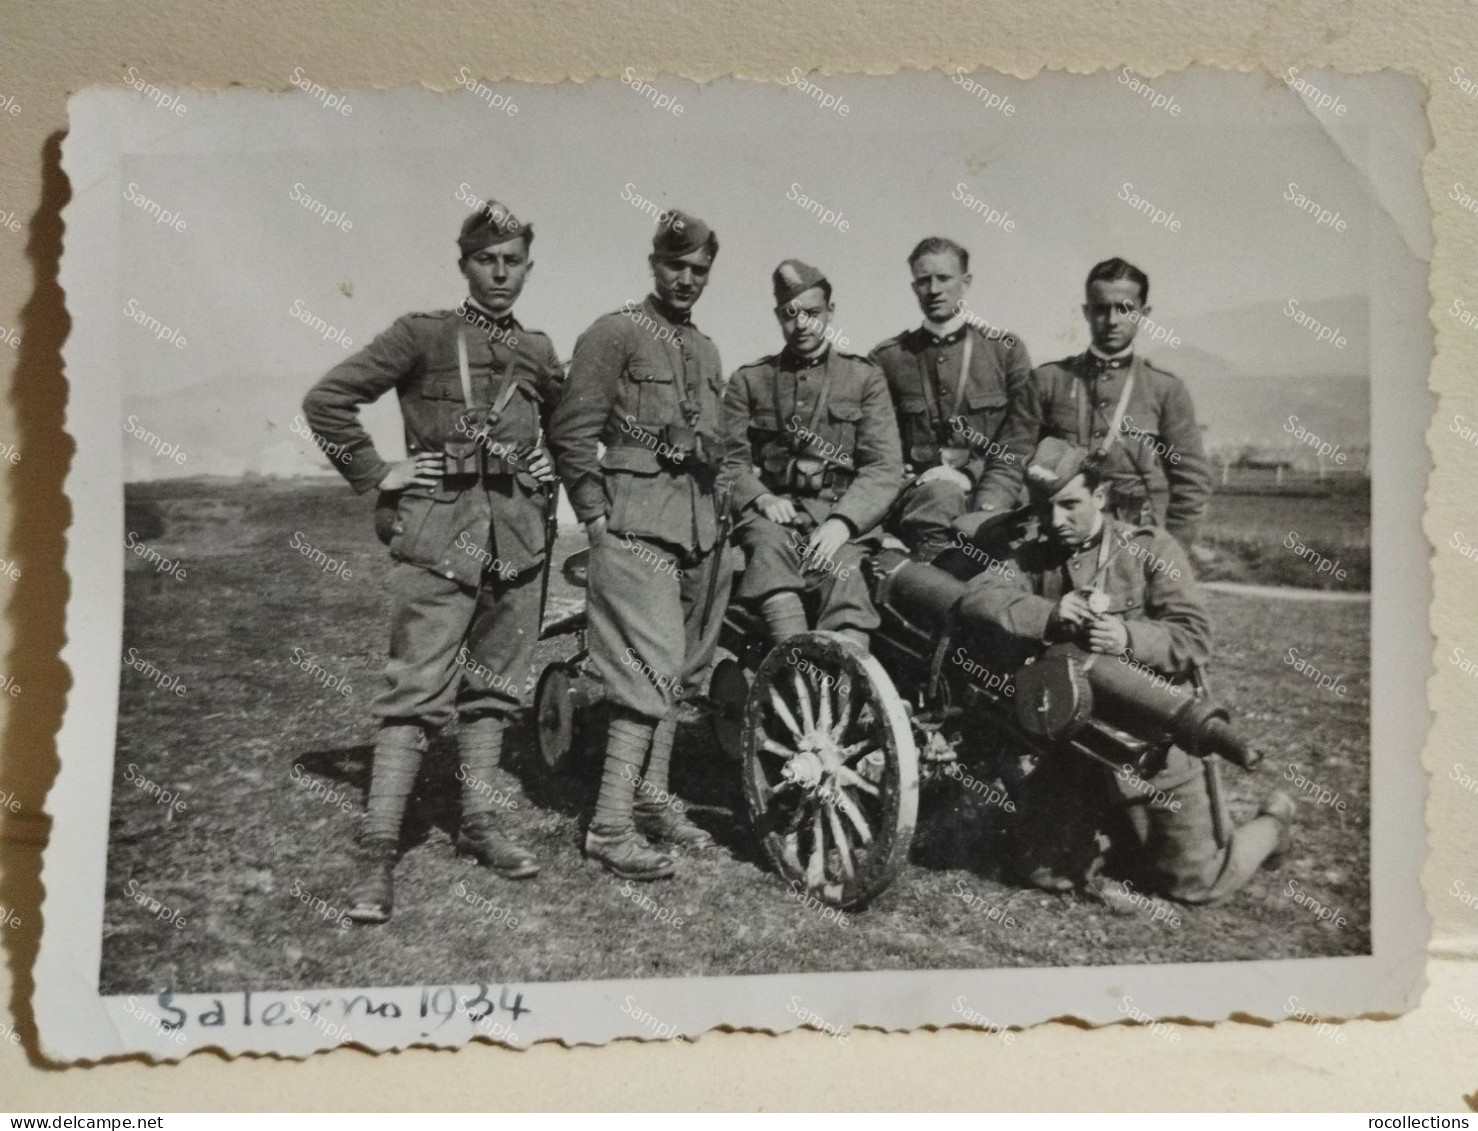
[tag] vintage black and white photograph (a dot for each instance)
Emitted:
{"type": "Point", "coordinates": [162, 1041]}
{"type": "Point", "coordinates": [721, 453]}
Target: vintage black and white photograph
{"type": "Point", "coordinates": [621, 558]}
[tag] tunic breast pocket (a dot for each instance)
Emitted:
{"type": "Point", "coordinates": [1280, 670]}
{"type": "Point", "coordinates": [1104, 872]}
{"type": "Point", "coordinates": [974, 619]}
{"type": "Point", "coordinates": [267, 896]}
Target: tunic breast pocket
{"type": "Point", "coordinates": [982, 411]}
{"type": "Point", "coordinates": [841, 430]}
{"type": "Point", "coordinates": [434, 412]}
{"type": "Point", "coordinates": [655, 394]}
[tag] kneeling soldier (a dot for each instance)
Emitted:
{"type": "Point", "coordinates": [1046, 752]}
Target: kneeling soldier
{"type": "Point", "coordinates": [966, 407]}
{"type": "Point", "coordinates": [815, 463]}
{"type": "Point", "coordinates": [1125, 591]}
{"type": "Point", "coordinates": [646, 383]}
{"type": "Point", "coordinates": [463, 519]}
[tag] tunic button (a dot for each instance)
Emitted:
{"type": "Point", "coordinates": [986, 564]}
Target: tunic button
{"type": "Point", "coordinates": [1098, 433]}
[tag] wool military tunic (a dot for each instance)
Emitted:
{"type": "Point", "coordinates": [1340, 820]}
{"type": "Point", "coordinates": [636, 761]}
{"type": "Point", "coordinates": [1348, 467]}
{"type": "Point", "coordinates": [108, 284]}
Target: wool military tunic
{"type": "Point", "coordinates": [1156, 466]}
{"type": "Point", "coordinates": [625, 391]}
{"type": "Point", "coordinates": [431, 527]}
{"type": "Point", "coordinates": [990, 411]}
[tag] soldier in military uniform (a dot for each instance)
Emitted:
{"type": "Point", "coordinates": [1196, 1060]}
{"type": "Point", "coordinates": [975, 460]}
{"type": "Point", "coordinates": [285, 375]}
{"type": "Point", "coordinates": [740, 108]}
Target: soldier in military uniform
{"type": "Point", "coordinates": [966, 406]}
{"type": "Point", "coordinates": [462, 515]}
{"type": "Point", "coordinates": [1138, 416]}
{"type": "Point", "coordinates": [1125, 591]}
{"type": "Point", "coordinates": [815, 463]}
{"type": "Point", "coordinates": [646, 383]}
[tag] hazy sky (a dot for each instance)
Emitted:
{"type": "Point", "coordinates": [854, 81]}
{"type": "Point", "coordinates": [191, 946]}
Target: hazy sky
{"type": "Point", "coordinates": [1056, 166]}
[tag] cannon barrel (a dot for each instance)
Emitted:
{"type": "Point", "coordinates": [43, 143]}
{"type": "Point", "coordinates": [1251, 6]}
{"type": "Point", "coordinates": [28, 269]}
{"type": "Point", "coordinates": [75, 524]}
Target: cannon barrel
{"type": "Point", "coordinates": [1078, 685]}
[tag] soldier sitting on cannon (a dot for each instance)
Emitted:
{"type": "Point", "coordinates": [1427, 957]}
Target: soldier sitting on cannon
{"type": "Point", "coordinates": [1124, 594]}
{"type": "Point", "coordinates": [814, 454]}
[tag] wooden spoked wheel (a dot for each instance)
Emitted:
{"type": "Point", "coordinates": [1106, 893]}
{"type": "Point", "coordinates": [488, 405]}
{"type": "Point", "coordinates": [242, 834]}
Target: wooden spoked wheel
{"type": "Point", "coordinates": [831, 773]}
{"type": "Point", "coordinates": [557, 698]}
{"type": "Point", "coordinates": [728, 692]}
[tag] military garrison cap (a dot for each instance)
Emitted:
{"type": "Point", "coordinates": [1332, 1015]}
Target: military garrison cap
{"type": "Point", "coordinates": [492, 223]}
{"type": "Point", "coordinates": [1053, 466]}
{"type": "Point", "coordinates": [680, 234]}
{"type": "Point", "coordinates": [794, 278]}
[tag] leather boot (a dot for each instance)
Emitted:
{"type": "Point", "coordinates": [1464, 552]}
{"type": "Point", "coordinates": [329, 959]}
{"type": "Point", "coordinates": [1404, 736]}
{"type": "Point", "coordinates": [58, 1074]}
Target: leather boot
{"type": "Point", "coordinates": [480, 839]}
{"type": "Point", "coordinates": [624, 853]}
{"type": "Point", "coordinates": [372, 895]}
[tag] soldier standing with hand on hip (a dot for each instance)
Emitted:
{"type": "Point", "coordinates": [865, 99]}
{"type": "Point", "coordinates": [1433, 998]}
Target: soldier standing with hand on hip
{"type": "Point", "coordinates": [814, 458]}
{"type": "Point", "coordinates": [646, 383]}
{"type": "Point", "coordinates": [463, 517]}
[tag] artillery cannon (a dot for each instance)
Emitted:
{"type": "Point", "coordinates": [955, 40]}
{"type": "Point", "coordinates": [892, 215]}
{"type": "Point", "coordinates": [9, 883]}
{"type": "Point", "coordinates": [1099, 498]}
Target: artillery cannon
{"type": "Point", "coordinates": [834, 741]}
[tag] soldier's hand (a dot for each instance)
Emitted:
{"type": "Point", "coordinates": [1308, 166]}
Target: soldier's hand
{"type": "Point", "coordinates": [595, 529]}
{"type": "Point", "coordinates": [1108, 634]}
{"type": "Point", "coordinates": [776, 509]}
{"type": "Point", "coordinates": [423, 470]}
{"type": "Point", "coordinates": [1073, 609]}
{"type": "Point", "coordinates": [949, 475]}
{"type": "Point", "coordinates": [825, 541]}
{"type": "Point", "coordinates": [541, 465]}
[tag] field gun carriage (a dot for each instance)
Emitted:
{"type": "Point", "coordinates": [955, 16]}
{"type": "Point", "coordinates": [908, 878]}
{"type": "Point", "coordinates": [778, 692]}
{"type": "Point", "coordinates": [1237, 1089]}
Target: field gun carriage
{"type": "Point", "coordinates": [833, 741]}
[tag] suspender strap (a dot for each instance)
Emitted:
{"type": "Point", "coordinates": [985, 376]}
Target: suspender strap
{"type": "Point", "coordinates": [795, 442]}
{"type": "Point", "coordinates": [1113, 431]}
{"type": "Point", "coordinates": [1085, 411]}
{"type": "Point", "coordinates": [964, 375]}
{"type": "Point", "coordinates": [509, 386]}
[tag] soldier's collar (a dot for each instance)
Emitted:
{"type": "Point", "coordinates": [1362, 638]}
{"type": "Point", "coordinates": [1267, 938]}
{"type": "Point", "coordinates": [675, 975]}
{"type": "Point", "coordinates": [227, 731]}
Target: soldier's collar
{"type": "Point", "coordinates": [1097, 359]}
{"type": "Point", "coordinates": [792, 360]}
{"type": "Point", "coordinates": [944, 331]}
{"type": "Point", "coordinates": [656, 306]}
{"type": "Point", "coordinates": [474, 312]}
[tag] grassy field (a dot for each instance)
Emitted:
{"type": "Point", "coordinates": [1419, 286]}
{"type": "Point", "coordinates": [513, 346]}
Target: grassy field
{"type": "Point", "coordinates": [1246, 537]}
{"type": "Point", "coordinates": [254, 743]}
